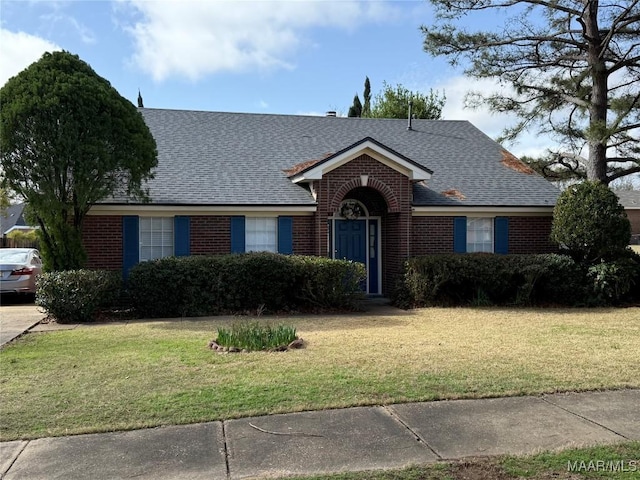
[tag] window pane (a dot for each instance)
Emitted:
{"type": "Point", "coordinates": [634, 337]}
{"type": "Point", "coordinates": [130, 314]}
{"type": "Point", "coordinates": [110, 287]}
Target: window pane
{"type": "Point", "coordinates": [480, 235]}
{"type": "Point", "coordinates": [145, 224]}
{"type": "Point", "coordinates": [145, 254]}
{"type": "Point", "coordinates": [145, 238]}
{"type": "Point", "coordinates": [260, 234]}
{"type": "Point", "coordinates": [156, 237]}
{"type": "Point", "coordinates": [167, 238]}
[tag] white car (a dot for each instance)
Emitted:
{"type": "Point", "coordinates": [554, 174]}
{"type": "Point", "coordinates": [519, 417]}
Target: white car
{"type": "Point", "coordinates": [19, 268]}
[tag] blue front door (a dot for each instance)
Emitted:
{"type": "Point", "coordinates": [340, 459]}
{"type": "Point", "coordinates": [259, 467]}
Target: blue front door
{"type": "Point", "coordinates": [351, 242]}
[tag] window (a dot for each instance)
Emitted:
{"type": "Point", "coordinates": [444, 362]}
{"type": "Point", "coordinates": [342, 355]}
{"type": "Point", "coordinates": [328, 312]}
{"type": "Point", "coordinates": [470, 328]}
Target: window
{"type": "Point", "coordinates": [261, 234]}
{"type": "Point", "coordinates": [480, 235]}
{"type": "Point", "coordinates": [156, 237]}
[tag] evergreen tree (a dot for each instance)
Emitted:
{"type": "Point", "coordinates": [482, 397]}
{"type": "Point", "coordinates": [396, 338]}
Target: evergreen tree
{"type": "Point", "coordinates": [68, 140]}
{"type": "Point", "coordinates": [574, 69]}
{"type": "Point", "coordinates": [355, 110]}
{"type": "Point", "coordinates": [366, 107]}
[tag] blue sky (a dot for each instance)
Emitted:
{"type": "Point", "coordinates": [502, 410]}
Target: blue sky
{"type": "Point", "coordinates": [289, 57]}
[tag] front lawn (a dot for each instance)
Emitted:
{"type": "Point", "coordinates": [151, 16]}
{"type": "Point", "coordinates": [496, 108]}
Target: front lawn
{"type": "Point", "coordinates": [114, 377]}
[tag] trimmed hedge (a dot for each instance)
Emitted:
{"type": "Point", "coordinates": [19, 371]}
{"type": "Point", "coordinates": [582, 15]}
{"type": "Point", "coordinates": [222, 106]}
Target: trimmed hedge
{"type": "Point", "coordinates": [74, 296]}
{"type": "Point", "coordinates": [211, 285]}
{"type": "Point", "coordinates": [486, 279]}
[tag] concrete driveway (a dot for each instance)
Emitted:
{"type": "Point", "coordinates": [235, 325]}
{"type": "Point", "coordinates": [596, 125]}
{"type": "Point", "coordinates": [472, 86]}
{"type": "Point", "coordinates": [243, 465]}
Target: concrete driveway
{"type": "Point", "coordinates": [15, 319]}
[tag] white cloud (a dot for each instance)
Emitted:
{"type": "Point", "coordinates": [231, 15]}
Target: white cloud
{"type": "Point", "coordinates": [18, 50]}
{"type": "Point", "coordinates": [492, 124]}
{"type": "Point", "coordinates": [85, 33]}
{"type": "Point", "coordinates": [194, 39]}
{"type": "Point", "coordinates": [311, 113]}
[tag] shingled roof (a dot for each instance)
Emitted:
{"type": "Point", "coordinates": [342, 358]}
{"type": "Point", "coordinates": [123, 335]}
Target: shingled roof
{"type": "Point", "coordinates": [12, 218]}
{"type": "Point", "coordinates": [215, 158]}
{"type": "Point", "coordinates": [629, 199]}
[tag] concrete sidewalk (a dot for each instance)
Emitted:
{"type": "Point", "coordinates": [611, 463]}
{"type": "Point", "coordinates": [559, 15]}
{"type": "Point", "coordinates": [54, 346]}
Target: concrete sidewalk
{"type": "Point", "coordinates": [16, 320]}
{"type": "Point", "coordinates": [352, 439]}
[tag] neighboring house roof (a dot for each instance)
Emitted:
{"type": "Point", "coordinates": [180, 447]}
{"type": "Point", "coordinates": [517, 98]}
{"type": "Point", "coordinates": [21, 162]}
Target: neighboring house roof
{"type": "Point", "coordinates": [215, 158]}
{"type": "Point", "coordinates": [13, 219]}
{"type": "Point", "coordinates": [629, 199]}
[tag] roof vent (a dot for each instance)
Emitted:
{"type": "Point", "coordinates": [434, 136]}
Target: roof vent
{"type": "Point", "coordinates": [410, 116]}
{"type": "Point", "coordinates": [331, 113]}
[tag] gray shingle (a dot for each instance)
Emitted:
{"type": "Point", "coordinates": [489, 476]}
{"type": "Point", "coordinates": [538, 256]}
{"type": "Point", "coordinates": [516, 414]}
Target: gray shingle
{"type": "Point", "coordinates": [214, 158]}
{"type": "Point", "coordinates": [629, 198]}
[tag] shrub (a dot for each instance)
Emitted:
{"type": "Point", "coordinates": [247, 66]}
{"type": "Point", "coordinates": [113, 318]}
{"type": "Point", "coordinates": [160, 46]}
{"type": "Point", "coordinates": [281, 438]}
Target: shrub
{"type": "Point", "coordinates": [481, 279]}
{"type": "Point", "coordinates": [209, 285]}
{"type": "Point", "coordinates": [589, 223]}
{"type": "Point", "coordinates": [254, 336]}
{"type": "Point", "coordinates": [327, 283]}
{"type": "Point", "coordinates": [77, 295]}
{"type": "Point", "coordinates": [173, 287]}
{"type": "Point", "coordinates": [613, 281]}
{"type": "Point", "coordinates": [255, 280]}
{"type": "Point", "coordinates": [22, 236]}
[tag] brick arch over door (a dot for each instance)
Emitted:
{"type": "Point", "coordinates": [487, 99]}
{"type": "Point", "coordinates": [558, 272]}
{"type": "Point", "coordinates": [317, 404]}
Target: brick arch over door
{"type": "Point", "coordinates": [383, 188]}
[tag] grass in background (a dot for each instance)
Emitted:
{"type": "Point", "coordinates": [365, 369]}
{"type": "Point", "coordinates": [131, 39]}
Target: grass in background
{"type": "Point", "coordinates": [117, 377]}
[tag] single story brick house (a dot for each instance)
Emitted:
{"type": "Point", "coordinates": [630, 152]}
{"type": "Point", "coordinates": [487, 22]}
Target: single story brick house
{"type": "Point", "coordinates": [630, 200]}
{"type": "Point", "coordinates": [375, 191]}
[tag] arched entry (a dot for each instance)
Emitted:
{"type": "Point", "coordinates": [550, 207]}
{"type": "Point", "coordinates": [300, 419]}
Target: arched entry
{"type": "Point", "coordinates": [355, 235]}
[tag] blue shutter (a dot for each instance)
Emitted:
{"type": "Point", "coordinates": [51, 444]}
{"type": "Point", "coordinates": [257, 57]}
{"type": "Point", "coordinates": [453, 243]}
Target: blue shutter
{"type": "Point", "coordinates": [237, 235]}
{"type": "Point", "coordinates": [501, 232]}
{"type": "Point", "coordinates": [460, 234]}
{"type": "Point", "coordinates": [285, 235]}
{"type": "Point", "coordinates": [181, 236]}
{"type": "Point", "coordinates": [130, 244]}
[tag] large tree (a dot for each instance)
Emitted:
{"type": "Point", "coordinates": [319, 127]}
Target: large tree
{"type": "Point", "coordinates": [574, 69]}
{"type": "Point", "coordinates": [393, 102]}
{"type": "Point", "coordinates": [68, 140]}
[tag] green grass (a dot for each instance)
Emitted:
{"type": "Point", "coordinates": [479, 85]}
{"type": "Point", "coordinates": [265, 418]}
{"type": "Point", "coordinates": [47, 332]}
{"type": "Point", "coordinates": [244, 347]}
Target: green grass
{"type": "Point", "coordinates": [255, 336]}
{"type": "Point", "coordinates": [118, 377]}
{"type": "Point", "coordinates": [614, 461]}
{"type": "Point", "coordinates": [619, 462]}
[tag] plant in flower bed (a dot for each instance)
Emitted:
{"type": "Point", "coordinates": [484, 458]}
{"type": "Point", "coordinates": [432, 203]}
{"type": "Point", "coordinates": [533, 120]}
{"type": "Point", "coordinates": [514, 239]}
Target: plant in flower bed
{"type": "Point", "coordinates": [252, 336]}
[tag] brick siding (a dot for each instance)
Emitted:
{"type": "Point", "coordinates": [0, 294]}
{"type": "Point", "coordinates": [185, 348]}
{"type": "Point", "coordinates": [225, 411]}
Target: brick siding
{"type": "Point", "coordinates": [102, 239]}
{"type": "Point", "coordinates": [210, 235]}
{"type": "Point", "coordinates": [530, 235]}
{"type": "Point", "coordinates": [303, 235]}
{"type": "Point", "coordinates": [634, 218]}
{"type": "Point", "coordinates": [432, 235]}
{"type": "Point", "coordinates": [387, 193]}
